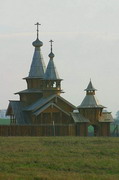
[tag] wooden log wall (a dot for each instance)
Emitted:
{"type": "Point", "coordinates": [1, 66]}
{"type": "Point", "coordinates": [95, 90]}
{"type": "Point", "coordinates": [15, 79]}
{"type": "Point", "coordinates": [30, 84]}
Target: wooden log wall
{"type": "Point", "coordinates": [43, 130]}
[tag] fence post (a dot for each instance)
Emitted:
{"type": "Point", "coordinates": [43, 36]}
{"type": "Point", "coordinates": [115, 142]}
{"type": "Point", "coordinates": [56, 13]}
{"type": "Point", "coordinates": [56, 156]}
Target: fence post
{"type": "Point", "coordinates": [53, 128]}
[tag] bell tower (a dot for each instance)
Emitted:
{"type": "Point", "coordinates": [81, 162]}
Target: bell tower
{"type": "Point", "coordinates": [90, 107]}
{"type": "Point", "coordinates": [35, 76]}
{"type": "Point", "coordinates": [51, 81]}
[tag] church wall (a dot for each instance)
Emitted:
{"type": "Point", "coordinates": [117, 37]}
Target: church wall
{"type": "Point", "coordinates": [34, 83]}
{"type": "Point", "coordinates": [82, 129]}
{"type": "Point", "coordinates": [92, 114]}
{"type": "Point", "coordinates": [51, 92]}
{"type": "Point", "coordinates": [28, 99]}
{"type": "Point", "coordinates": [52, 115]}
{"type": "Point", "coordinates": [51, 109]}
{"type": "Point", "coordinates": [64, 106]}
{"type": "Point", "coordinates": [104, 129]}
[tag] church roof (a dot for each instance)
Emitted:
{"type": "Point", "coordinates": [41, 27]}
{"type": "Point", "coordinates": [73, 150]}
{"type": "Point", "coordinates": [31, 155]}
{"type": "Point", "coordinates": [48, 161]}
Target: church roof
{"type": "Point", "coordinates": [106, 117]}
{"type": "Point", "coordinates": [15, 107]}
{"type": "Point", "coordinates": [41, 102]}
{"type": "Point", "coordinates": [51, 71]}
{"type": "Point", "coordinates": [29, 91]}
{"type": "Point", "coordinates": [78, 118]}
{"type": "Point", "coordinates": [90, 101]}
{"type": "Point", "coordinates": [37, 68]}
{"type": "Point", "coordinates": [90, 87]}
{"type": "Point", "coordinates": [48, 105]}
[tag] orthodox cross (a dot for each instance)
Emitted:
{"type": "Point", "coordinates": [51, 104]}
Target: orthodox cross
{"type": "Point", "coordinates": [37, 29]}
{"type": "Point", "coordinates": [51, 41]}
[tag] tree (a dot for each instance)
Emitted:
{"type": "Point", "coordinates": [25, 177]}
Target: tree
{"type": "Point", "coordinates": [117, 115]}
{"type": "Point", "coordinates": [117, 118]}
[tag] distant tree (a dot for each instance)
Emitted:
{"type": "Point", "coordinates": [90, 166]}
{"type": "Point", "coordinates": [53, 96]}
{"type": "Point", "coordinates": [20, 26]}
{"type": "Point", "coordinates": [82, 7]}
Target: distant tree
{"type": "Point", "coordinates": [117, 115]}
{"type": "Point", "coordinates": [117, 118]}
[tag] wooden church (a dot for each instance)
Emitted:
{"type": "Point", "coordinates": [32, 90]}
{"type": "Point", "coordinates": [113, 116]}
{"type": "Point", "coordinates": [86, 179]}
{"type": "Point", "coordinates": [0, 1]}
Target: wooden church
{"type": "Point", "coordinates": [41, 103]}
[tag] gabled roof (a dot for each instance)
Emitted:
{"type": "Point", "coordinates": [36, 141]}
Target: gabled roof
{"type": "Point", "coordinates": [48, 105]}
{"type": "Point", "coordinates": [67, 102]}
{"type": "Point", "coordinates": [106, 117]}
{"type": "Point", "coordinates": [90, 101]}
{"type": "Point", "coordinates": [38, 104]}
{"type": "Point", "coordinates": [78, 118]}
{"type": "Point", "coordinates": [15, 107]}
{"type": "Point", "coordinates": [90, 87]}
{"type": "Point", "coordinates": [37, 68]}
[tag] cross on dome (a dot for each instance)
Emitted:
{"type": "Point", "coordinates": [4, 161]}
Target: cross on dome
{"type": "Point", "coordinates": [51, 41]}
{"type": "Point", "coordinates": [37, 42]}
{"type": "Point", "coordinates": [51, 55]}
{"type": "Point", "coordinates": [37, 24]}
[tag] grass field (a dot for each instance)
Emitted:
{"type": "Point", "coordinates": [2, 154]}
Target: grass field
{"type": "Point", "coordinates": [4, 121]}
{"type": "Point", "coordinates": [59, 158]}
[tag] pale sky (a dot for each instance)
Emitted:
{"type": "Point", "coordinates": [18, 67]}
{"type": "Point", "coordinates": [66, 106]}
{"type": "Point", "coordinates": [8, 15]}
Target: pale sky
{"type": "Point", "coordinates": [86, 45]}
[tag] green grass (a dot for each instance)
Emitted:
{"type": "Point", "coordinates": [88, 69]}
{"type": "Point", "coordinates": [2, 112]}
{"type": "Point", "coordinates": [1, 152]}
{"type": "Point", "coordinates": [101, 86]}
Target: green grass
{"type": "Point", "coordinates": [59, 158]}
{"type": "Point", "coordinates": [4, 121]}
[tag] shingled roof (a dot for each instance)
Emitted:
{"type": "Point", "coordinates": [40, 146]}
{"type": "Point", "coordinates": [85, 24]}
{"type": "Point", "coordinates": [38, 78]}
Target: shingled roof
{"type": "Point", "coordinates": [51, 71]}
{"type": "Point", "coordinates": [90, 87]}
{"type": "Point", "coordinates": [37, 68]}
{"type": "Point", "coordinates": [90, 100]}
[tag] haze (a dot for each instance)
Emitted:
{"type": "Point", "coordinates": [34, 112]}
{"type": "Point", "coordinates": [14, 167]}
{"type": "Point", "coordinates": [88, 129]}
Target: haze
{"type": "Point", "coordinates": [86, 45]}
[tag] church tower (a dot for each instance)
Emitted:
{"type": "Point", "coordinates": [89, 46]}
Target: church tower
{"type": "Point", "coordinates": [41, 81]}
{"type": "Point", "coordinates": [91, 109]}
{"type": "Point", "coordinates": [90, 106]}
{"type": "Point", "coordinates": [36, 75]}
{"type": "Point", "coordinates": [41, 102]}
{"type": "Point", "coordinates": [52, 81]}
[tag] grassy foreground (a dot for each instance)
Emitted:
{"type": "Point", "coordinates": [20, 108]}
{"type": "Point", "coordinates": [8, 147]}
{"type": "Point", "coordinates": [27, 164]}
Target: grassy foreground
{"type": "Point", "coordinates": [59, 158]}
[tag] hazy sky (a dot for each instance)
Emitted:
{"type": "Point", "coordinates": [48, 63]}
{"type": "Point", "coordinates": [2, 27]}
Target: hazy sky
{"type": "Point", "coordinates": [86, 45]}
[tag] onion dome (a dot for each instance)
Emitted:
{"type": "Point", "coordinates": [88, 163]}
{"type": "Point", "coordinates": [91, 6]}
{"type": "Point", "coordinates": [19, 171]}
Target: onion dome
{"type": "Point", "coordinates": [37, 43]}
{"type": "Point", "coordinates": [51, 55]}
{"type": "Point", "coordinates": [37, 69]}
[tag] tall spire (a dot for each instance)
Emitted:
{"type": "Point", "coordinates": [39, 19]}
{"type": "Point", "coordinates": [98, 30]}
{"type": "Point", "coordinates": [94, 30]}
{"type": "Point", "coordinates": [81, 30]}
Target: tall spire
{"type": "Point", "coordinates": [37, 68]}
{"type": "Point", "coordinates": [90, 100]}
{"type": "Point", "coordinates": [90, 87]}
{"type": "Point", "coordinates": [51, 71]}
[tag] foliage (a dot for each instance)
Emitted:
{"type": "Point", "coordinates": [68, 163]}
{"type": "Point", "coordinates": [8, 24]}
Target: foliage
{"type": "Point", "coordinates": [61, 158]}
{"type": "Point", "coordinates": [117, 115]}
{"type": "Point", "coordinates": [117, 118]}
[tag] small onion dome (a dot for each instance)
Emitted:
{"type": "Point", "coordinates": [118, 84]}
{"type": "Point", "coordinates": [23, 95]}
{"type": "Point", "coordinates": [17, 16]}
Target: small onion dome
{"type": "Point", "coordinates": [51, 55]}
{"type": "Point", "coordinates": [37, 43]}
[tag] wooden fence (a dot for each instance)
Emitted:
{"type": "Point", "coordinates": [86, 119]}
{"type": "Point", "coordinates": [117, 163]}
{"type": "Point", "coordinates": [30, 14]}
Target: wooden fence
{"type": "Point", "coordinates": [36, 130]}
